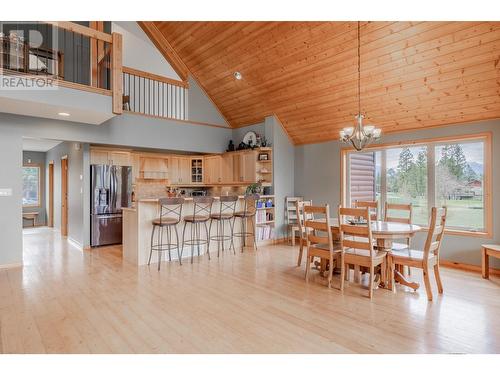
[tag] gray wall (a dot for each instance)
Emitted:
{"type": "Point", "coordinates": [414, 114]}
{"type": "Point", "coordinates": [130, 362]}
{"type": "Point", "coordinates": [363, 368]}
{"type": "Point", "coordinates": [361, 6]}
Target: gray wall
{"type": "Point", "coordinates": [126, 130]}
{"type": "Point", "coordinates": [39, 159]}
{"type": "Point", "coordinates": [317, 176]}
{"type": "Point", "coordinates": [201, 108]}
{"type": "Point", "coordinates": [11, 151]}
{"type": "Point", "coordinates": [75, 188]}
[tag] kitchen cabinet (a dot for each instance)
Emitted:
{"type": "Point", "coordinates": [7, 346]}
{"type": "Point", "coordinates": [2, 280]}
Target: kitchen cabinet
{"type": "Point", "coordinates": [120, 158]}
{"type": "Point", "coordinates": [197, 170]}
{"type": "Point", "coordinates": [212, 170]}
{"type": "Point", "coordinates": [227, 166]}
{"type": "Point", "coordinates": [244, 167]}
{"type": "Point", "coordinates": [180, 170]}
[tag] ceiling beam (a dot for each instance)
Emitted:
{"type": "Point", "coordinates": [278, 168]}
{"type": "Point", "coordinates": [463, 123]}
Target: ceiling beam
{"type": "Point", "coordinates": [165, 49]}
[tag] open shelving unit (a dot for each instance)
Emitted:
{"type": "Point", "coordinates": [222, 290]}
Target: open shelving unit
{"type": "Point", "coordinates": [265, 167]}
{"type": "Point", "coordinates": [264, 221]}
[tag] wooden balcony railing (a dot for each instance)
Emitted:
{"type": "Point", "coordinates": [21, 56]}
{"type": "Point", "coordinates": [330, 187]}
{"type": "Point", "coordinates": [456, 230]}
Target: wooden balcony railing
{"type": "Point", "coordinates": [74, 55]}
{"type": "Point", "coordinates": [153, 95]}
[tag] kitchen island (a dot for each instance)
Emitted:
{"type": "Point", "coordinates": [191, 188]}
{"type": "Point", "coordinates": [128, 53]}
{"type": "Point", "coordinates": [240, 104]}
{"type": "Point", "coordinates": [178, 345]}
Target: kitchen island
{"type": "Point", "coordinates": [137, 227]}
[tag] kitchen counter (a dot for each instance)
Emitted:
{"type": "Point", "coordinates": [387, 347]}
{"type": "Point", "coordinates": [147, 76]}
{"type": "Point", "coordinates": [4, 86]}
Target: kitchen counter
{"type": "Point", "coordinates": [137, 227]}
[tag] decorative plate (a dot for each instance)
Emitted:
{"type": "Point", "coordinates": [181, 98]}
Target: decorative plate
{"type": "Point", "coordinates": [250, 136]}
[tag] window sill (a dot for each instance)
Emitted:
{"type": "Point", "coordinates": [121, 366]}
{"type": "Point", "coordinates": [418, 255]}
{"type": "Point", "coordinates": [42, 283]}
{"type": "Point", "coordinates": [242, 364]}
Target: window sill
{"type": "Point", "coordinates": [464, 233]}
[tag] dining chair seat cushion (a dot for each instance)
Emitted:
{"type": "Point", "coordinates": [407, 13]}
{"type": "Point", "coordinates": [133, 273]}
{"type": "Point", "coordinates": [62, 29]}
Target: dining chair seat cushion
{"type": "Point", "coordinates": [364, 253]}
{"type": "Point", "coordinates": [221, 216]}
{"type": "Point", "coordinates": [165, 221]}
{"type": "Point", "coordinates": [244, 213]}
{"type": "Point", "coordinates": [399, 246]}
{"type": "Point", "coordinates": [409, 254]}
{"type": "Point", "coordinates": [195, 219]}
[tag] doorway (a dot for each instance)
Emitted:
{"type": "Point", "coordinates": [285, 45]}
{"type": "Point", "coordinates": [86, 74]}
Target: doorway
{"type": "Point", "coordinates": [51, 195]}
{"type": "Point", "coordinates": [64, 195]}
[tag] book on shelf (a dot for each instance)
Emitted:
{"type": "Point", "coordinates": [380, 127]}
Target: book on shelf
{"type": "Point", "coordinates": [265, 232]}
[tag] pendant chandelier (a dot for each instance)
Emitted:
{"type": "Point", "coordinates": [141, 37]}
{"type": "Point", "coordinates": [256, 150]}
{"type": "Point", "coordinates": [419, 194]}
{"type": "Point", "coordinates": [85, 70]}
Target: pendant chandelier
{"type": "Point", "coordinates": [360, 135]}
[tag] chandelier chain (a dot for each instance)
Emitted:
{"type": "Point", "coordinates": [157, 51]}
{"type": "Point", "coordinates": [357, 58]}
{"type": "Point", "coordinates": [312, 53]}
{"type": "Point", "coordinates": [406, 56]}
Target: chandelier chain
{"type": "Point", "coordinates": [359, 68]}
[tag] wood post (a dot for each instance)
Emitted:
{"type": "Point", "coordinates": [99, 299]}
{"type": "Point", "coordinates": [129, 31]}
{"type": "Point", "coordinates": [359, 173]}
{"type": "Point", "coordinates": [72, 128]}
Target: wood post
{"type": "Point", "coordinates": [117, 69]}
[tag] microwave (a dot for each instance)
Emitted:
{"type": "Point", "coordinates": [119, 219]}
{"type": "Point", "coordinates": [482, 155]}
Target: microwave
{"type": "Point", "coordinates": [198, 193]}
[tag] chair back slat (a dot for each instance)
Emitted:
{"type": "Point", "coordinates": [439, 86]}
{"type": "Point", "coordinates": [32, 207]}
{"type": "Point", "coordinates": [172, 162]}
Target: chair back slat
{"type": "Point", "coordinates": [302, 216]}
{"type": "Point", "coordinates": [353, 236]}
{"type": "Point", "coordinates": [202, 206]}
{"type": "Point", "coordinates": [405, 209]}
{"type": "Point", "coordinates": [372, 207]}
{"type": "Point", "coordinates": [291, 210]}
{"type": "Point", "coordinates": [227, 204]}
{"type": "Point", "coordinates": [318, 232]}
{"type": "Point", "coordinates": [170, 208]}
{"type": "Point", "coordinates": [250, 203]}
{"type": "Point", "coordinates": [436, 232]}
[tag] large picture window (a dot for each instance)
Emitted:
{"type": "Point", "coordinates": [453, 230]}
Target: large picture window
{"type": "Point", "coordinates": [442, 172]}
{"type": "Point", "coordinates": [31, 186]}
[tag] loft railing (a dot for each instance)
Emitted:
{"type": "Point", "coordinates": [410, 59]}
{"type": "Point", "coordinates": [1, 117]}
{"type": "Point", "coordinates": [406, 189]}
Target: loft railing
{"type": "Point", "coordinates": [154, 95]}
{"type": "Point", "coordinates": [74, 55]}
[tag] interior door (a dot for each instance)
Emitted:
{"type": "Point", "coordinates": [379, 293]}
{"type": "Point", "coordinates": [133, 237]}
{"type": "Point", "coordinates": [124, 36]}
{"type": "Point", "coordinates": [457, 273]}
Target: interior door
{"type": "Point", "coordinates": [64, 196]}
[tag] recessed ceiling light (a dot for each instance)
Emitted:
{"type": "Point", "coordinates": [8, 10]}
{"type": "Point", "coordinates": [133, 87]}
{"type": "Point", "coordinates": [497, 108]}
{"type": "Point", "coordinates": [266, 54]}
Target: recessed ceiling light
{"type": "Point", "coordinates": [238, 75]}
{"type": "Point", "coordinates": [64, 114]}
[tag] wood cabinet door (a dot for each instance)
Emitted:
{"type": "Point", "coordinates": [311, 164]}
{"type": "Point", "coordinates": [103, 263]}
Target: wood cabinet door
{"type": "Point", "coordinates": [99, 157]}
{"type": "Point", "coordinates": [121, 158]}
{"type": "Point", "coordinates": [237, 168]}
{"type": "Point", "coordinates": [212, 170]}
{"type": "Point", "coordinates": [185, 170]}
{"type": "Point", "coordinates": [249, 167]}
{"type": "Point", "coordinates": [197, 166]}
{"type": "Point", "coordinates": [227, 167]}
{"type": "Point", "coordinates": [175, 172]}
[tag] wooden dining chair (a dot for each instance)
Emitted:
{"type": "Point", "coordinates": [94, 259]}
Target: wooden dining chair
{"type": "Point", "coordinates": [319, 239]}
{"type": "Point", "coordinates": [301, 218]}
{"type": "Point", "coordinates": [429, 256]}
{"type": "Point", "coordinates": [371, 205]}
{"type": "Point", "coordinates": [357, 245]}
{"type": "Point", "coordinates": [292, 227]}
{"type": "Point", "coordinates": [399, 213]}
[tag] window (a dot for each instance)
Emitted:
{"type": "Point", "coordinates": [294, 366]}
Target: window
{"type": "Point", "coordinates": [442, 172]}
{"type": "Point", "coordinates": [31, 186]}
{"type": "Point", "coordinates": [459, 184]}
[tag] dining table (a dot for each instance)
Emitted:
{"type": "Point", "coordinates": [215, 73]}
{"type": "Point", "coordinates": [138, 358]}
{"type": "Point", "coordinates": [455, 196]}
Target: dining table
{"type": "Point", "coordinates": [385, 232]}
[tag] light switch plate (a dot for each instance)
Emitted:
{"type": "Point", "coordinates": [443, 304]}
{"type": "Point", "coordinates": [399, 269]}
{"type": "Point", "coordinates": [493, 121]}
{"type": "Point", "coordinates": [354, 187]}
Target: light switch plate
{"type": "Point", "coordinates": [5, 192]}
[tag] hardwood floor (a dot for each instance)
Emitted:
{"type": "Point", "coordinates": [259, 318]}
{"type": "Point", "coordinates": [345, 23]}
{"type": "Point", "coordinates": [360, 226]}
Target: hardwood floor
{"type": "Point", "coordinates": [65, 300]}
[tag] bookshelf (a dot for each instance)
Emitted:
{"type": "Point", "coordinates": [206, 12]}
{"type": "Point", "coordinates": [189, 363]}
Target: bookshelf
{"type": "Point", "coordinates": [265, 219]}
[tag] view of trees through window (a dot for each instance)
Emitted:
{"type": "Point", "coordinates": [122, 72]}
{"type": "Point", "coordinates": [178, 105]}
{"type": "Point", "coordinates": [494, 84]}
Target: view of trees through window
{"type": "Point", "coordinates": [407, 180]}
{"type": "Point", "coordinates": [459, 183]}
{"type": "Point", "coordinates": [31, 182]}
{"type": "Point", "coordinates": [457, 180]}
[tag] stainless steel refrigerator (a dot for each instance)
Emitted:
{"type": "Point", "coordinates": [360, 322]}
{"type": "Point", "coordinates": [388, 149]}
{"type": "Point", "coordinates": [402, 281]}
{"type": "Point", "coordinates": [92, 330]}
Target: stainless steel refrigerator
{"type": "Point", "coordinates": [111, 190]}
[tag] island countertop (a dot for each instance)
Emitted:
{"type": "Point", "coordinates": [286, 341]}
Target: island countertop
{"type": "Point", "coordinates": [137, 228]}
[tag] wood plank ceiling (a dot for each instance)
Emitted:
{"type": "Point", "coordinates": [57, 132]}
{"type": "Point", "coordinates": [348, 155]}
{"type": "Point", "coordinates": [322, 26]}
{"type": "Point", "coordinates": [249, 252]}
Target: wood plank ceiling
{"type": "Point", "coordinates": [413, 74]}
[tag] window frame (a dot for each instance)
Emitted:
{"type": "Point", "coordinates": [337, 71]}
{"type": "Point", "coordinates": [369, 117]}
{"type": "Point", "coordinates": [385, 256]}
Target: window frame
{"type": "Point", "coordinates": [485, 137]}
{"type": "Point", "coordinates": [35, 165]}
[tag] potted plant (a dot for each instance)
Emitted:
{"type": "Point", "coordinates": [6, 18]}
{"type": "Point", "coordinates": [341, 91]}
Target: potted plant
{"type": "Point", "coordinates": [255, 188]}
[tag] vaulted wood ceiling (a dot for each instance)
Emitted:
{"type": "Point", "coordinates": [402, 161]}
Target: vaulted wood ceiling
{"type": "Point", "coordinates": [413, 74]}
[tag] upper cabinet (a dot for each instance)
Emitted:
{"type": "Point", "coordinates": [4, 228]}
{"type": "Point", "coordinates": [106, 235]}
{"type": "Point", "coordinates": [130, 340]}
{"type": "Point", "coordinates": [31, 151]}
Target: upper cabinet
{"type": "Point", "coordinates": [244, 167]}
{"type": "Point", "coordinates": [120, 158]}
{"type": "Point", "coordinates": [231, 168]}
{"type": "Point", "coordinates": [180, 170]}
{"type": "Point", "coordinates": [212, 171]}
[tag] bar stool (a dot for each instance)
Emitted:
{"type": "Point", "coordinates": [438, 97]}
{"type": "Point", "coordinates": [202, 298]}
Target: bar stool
{"type": "Point", "coordinates": [170, 216]}
{"type": "Point", "coordinates": [249, 212]}
{"type": "Point", "coordinates": [227, 207]}
{"type": "Point", "coordinates": [201, 214]}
